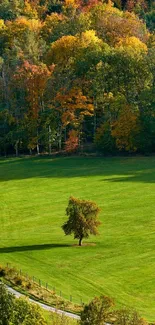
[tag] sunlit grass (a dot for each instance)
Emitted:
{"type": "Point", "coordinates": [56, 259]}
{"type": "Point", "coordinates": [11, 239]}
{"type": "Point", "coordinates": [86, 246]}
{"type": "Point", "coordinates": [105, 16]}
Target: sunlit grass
{"type": "Point", "coordinates": [34, 194]}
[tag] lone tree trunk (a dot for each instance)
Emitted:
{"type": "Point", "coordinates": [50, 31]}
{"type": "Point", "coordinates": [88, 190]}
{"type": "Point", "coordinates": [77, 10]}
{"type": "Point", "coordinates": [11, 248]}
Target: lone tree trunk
{"type": "Point", "coordinates": [80, 241]}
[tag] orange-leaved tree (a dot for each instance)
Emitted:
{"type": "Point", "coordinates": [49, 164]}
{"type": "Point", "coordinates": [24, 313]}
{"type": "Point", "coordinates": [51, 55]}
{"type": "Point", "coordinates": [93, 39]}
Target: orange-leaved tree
{"type": "Point", "coordinates": [33, 78]}
{"type": "Point", "coordinates": [73, 106]}
{"type": "Point", "coordinates": [72, 143]}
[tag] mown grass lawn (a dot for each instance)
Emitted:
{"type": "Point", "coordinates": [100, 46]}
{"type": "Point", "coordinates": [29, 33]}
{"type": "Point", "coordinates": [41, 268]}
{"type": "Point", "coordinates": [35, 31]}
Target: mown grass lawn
{"type": "Point", "coordinates": [120, 262]}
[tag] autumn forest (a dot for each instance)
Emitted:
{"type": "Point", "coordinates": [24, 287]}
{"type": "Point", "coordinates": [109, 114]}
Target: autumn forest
{"type": "Point", "coordinates": [77, 75]}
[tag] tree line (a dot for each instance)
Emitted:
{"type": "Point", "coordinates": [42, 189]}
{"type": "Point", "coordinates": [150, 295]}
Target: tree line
{"type": "Point", "coordinates": [76, 74]}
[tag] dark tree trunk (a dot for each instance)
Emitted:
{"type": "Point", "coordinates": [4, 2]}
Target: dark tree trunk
{"type": "Point", "coordinates": [95, 112]}
{"type": "Point", "coordinates": [50, 139]}
{"type": "Point", "coordinates": [80, 241]}
{"type": "Point", "coordinates": [60, 139]}
{"type": "Point", "coordinates": [16, 148]}
{"type": "Point", "coordinates": [38, 150]}
{"type": "Point", "coordinates": [5, 87]}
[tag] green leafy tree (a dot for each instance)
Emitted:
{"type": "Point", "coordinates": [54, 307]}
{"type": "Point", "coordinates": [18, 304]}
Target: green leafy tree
{"type": "Point", "coordinates": [97, 312]}
{"type": "Point", "coordinates": [104, 141]}
{"type": "Point", "coordinates": [26, 313]}
{"type": "Point", "coordinates": [6, 305]}
{"type": "Point", "coordinates": [83, 219]}
{"type": "Point", "coordinates": [10, 10]}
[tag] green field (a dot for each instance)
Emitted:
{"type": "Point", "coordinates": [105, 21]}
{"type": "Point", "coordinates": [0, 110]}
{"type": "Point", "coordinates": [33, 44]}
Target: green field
{"type": "Point", "coordinates": [120, 262]}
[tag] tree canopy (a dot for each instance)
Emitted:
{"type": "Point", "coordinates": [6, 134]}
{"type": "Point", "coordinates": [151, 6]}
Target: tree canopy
{"type": "Point", "coordinates": [82, 219]}
{"type": "Point", "coordinates": [75, 73]}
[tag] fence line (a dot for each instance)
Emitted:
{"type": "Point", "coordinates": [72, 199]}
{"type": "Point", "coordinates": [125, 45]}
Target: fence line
{"type": "Point", "coordinates": [47, 286]}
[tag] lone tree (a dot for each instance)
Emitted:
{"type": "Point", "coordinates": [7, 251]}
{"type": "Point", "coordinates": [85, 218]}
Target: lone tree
{"type": "Point", "coordinates": [83, 219]}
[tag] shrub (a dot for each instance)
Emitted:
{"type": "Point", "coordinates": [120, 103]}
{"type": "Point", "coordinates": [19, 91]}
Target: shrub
{"type": "Point", "coordinates": [18, 280]}
{"type": "Point", "coordinates": [2, 271]}
{"type": "Point", "coordinates": [28, 285]}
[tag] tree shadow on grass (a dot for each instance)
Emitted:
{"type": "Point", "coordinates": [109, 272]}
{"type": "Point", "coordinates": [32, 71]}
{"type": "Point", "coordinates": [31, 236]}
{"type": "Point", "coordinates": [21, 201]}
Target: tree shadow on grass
{"type": "Point", "coordinates": [5, 250]}
{"type": "Point", "coordinates": [145, 175]}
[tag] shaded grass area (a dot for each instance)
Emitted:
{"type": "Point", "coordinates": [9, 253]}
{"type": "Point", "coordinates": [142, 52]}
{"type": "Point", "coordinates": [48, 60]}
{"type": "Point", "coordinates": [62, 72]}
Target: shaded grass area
{"type": "Point", "coordinates": [34, 194]}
